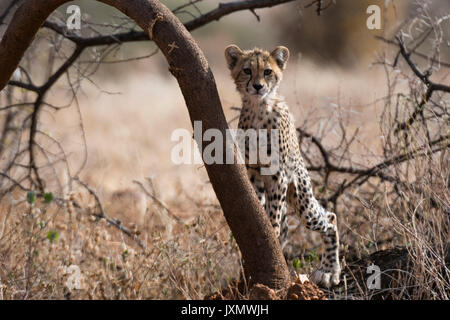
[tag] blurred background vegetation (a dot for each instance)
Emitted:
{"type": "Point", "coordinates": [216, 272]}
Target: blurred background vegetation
{"type": "Point", "coordinates": [338, 36]}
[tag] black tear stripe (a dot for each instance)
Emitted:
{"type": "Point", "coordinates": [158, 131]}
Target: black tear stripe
{"type": "Point", "coordinates": [248, 82]}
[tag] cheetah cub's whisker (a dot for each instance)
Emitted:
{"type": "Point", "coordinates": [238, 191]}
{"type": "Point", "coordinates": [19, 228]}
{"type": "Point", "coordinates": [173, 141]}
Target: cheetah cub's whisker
{"type": "Point", "coordinates": [257, 74]}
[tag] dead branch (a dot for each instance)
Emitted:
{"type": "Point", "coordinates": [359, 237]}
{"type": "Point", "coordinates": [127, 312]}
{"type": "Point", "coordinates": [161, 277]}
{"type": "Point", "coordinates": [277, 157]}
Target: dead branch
{"type": "Point", "coordinates": [425, 78]}
{"type": "Point", "coordinates": [102, 215]}
{"type": "Point", "coordinates": [319, 5]}
{"type": "Point", "coordinates": [159, 202]}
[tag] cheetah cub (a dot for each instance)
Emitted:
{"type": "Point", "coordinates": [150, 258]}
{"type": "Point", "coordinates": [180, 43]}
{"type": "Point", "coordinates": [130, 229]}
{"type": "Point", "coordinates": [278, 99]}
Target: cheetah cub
{"type": "Point", "coordinates": [257, 74]}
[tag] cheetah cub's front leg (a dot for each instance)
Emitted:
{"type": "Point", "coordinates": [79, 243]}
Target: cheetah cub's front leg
{"type": "Point", "coordinates": [316, 218]}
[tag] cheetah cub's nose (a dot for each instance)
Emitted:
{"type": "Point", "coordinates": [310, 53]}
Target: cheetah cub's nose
{"type": "Point", "coordinates": [257, 87]}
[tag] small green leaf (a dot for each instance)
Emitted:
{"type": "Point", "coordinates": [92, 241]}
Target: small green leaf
{"type": "Point", "coordinates": [296, 263]}
{"type": "Point", "coordinates": [52, 236]}
{"type": "Point", "coordinates": [48, 197]}
{"type": "Point", "coordinates": [31, 197]}
{"type": "Point", "coordinates": [311, 257]}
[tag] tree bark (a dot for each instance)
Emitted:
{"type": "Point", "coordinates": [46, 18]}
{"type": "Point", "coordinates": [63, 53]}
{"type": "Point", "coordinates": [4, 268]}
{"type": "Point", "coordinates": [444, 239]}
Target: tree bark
{"type": "Point", "coordinates": [263, 259]}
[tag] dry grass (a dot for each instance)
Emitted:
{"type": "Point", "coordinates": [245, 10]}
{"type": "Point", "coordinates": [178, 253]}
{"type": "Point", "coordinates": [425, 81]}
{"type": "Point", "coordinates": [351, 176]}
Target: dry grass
{"type": "Point", "coordinates": [39, 243]}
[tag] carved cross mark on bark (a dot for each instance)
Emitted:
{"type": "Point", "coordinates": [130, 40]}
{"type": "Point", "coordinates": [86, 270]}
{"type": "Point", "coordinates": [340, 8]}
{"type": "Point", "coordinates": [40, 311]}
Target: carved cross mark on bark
{"type": "Point", "coordinates": [172, 47]}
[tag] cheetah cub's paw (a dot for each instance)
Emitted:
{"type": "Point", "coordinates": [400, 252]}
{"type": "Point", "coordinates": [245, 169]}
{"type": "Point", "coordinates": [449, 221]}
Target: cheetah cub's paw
{"type": "Point", "coordinates": [327, 278]}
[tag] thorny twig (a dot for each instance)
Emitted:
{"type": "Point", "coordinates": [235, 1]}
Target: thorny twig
{"type": "Point", "coordinates": [159, 202]}
{"type": "Point", "coordinates": [102, 215]}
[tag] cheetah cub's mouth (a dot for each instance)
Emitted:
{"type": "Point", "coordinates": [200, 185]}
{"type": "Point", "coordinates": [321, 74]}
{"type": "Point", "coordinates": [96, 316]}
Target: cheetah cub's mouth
{"type": "Point", "coordinates": [256, 72]}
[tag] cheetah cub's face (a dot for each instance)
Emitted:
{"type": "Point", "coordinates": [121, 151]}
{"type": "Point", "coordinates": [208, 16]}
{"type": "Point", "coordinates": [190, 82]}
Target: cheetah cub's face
{"type": "Point", "coordinates": [256, 72]}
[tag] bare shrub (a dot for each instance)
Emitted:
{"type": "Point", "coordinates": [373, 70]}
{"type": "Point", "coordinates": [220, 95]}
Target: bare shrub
{"type": "Point", "coordinates": [402, 197]}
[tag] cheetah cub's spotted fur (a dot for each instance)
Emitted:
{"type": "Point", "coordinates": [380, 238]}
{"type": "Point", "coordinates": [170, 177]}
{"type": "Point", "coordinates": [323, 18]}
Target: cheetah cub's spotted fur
{"type": "Point", "coordinates": [257, 74]}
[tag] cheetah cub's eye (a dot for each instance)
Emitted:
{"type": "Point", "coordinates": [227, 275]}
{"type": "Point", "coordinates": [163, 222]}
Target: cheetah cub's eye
{"type": "Point", "coordinates": [267, 72]}
{"type": "Point", "coordinates": [247, 71]}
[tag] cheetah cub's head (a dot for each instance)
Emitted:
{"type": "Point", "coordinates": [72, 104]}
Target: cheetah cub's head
{"type": "Point", "coordinates": [257, 73]}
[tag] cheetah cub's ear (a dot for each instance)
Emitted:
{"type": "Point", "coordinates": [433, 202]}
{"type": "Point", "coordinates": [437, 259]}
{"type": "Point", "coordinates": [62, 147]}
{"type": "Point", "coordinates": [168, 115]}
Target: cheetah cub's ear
{"type": "Point", "coordinates": [232, 54]}
{"type": "Point", "coordinates": [281, 56]}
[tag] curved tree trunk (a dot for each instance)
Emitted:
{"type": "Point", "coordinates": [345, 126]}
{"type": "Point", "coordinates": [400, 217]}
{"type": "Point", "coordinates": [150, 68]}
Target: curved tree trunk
{"type": "Point", "coordinates": [263, 258]}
